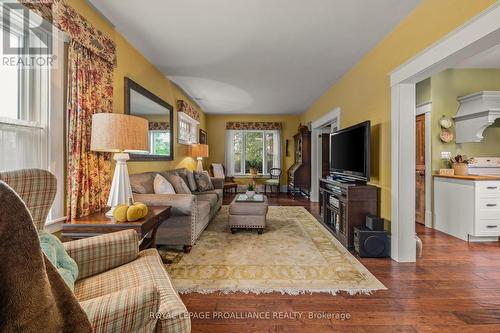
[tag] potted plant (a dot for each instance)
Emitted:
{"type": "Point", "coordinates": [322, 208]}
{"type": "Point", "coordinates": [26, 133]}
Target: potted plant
{"type": "Point", "coordinates": [250, 191]}
{"type": "Point", "coordinates": [460, 164]}
{"type": "Point", "coordinates": [253, 165]}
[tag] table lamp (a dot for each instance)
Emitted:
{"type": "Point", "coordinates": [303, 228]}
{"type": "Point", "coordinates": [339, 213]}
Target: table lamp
{"type": "Point", "coordinates": [199, 151]}
{"type": "Point", "coordinates": [120, 134]}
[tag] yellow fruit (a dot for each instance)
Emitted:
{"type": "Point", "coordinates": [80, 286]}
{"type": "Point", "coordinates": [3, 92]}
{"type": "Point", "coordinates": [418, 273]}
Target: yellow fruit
{"type": "Point", "coordinates": [143, 207]}
{"type": "Point", "coordinates": [120, 213]}
{"type": "Point", "coordinates": [134, 213]}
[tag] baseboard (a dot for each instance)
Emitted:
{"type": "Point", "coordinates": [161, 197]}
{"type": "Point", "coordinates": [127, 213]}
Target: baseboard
{"type": "Point", "coordinates": [429, 219]}
{"type": "Point", "coordinates": [260, 188]}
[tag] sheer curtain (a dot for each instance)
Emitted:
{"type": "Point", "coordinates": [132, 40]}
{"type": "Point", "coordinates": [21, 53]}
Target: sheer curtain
{"type": "Point", "coordinates": [277, 148]}
{"type": "Point", "coordinates": [21, 147]}
{"type": "Point", "coordinates": [229, 153]}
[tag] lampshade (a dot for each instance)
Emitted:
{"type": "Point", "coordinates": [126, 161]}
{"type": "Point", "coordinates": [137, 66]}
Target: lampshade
{"type": "Point", "coordinates": [114, 132]}
{"type": "Point", "coordinates": [198, 150]}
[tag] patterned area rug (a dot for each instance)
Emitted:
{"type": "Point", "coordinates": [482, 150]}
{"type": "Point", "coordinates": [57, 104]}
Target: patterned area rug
{"type": "Point", "coordinates": [294, 255]}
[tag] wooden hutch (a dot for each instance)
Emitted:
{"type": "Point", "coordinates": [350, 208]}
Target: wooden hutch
{"type": "Point", "coordinates": [299, 174]}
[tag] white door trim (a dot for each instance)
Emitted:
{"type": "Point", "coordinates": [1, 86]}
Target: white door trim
{"type": "Point", "coordinates": [329, 118]}
{"type": "Point", "coordinates": [475, 36]}
{"type": "Point", "coordinates": [426, 109]}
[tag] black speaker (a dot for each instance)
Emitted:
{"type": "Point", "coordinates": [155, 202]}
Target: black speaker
{"type": "Point", "coordinates": [375, 223]}
{"type": "Point", "coordinates": [370, 244]}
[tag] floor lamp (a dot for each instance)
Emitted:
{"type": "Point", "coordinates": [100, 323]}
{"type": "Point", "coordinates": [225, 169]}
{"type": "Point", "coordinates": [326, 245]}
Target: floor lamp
{"type": "Point", "coordinates": [199, 151]}
{"type": "Point", "coordinates": [120, 134]}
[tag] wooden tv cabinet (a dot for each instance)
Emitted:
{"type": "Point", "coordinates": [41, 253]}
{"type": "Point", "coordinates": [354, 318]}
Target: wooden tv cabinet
{"type": "Point", "coordinates": [344, 205]}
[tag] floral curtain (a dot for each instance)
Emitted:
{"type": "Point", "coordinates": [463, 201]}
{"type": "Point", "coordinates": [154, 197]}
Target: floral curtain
{"type": "Point", "coordinates": [91, 58]}
{"type": "Point", "coordinates": [90, 90]}
{"type": "Point", "coordinates": [158, 126]}
{"type": "Point", "coordinates": [75, 26]}
{"type": "Point", "coordinates": [255, 125]}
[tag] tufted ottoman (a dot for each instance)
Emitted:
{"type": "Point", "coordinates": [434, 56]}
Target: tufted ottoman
{"type": "Point", "coordinates": [247, 214]}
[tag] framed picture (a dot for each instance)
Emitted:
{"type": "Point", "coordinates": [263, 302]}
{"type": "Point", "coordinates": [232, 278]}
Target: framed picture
{"type": "Point", "coordinates": [203, 137]}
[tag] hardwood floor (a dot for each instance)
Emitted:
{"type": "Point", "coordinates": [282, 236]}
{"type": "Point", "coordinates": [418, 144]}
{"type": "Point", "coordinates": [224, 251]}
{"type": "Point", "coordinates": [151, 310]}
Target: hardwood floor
{"type": "Point", "coordinates": [455, 288]}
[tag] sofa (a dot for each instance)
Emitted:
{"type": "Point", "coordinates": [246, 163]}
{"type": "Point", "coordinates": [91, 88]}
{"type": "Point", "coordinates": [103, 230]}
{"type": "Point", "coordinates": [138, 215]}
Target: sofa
{"type": "Point", "coordinates": [191, 213]}
{"type": "Point", "coordinates": [120, 288]}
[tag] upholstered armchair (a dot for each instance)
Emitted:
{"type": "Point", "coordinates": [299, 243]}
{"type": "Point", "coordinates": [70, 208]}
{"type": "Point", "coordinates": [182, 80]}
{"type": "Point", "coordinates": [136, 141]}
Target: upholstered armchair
{"type": "Point", "coordinates": [119, 288]}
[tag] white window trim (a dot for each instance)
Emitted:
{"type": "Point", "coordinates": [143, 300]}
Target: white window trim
{"type": "Point", "coordinates": [56, 142]}
{"type": "Point", "coordinates": [265, 173]}
{"type": "Point", "coordinates": [151, 140]}
{"type": "Point", "coordinates": [51, 123]}
{"type": "Point", "coordinates": [194, 124]}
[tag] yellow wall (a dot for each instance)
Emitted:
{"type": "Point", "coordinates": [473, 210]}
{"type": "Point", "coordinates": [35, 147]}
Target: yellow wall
{"type": "Point", "coordinates": [216, 128]}
{"type": "Point", "coordinates": [133, 64]}
{"type": "Point", "coordinates": [446, 87]}
{"type": "Point", "coordinates": [364, 91]}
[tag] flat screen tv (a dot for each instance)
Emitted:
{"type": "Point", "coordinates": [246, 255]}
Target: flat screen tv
{"type": "Point", "coordinates": [350, 152]}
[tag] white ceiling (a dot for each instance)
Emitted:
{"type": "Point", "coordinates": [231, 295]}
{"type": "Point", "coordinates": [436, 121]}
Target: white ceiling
{"type": "Point", "coordinates": [254, 56]}
{"type": "Point", "coordinates": [486, 59]}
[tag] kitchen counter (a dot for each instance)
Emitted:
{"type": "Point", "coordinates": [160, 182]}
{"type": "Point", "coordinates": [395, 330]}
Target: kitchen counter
{"type": "Point", "coordinates": [469, 177]}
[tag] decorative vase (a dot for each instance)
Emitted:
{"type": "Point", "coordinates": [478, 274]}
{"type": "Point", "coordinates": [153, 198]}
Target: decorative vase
{"type": "Point", "coordinates": [461, 169]}
{"type": "Point", "coordinates": [253, 171]}
{"type": "Point", "coordinates": [250, 194]}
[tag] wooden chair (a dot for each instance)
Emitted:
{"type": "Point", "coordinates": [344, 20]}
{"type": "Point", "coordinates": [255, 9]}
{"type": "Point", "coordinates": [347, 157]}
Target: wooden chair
{"type": "Point", "coordinates": [229, 182]}
{"type": "Point", "coordinates": [275, 180]}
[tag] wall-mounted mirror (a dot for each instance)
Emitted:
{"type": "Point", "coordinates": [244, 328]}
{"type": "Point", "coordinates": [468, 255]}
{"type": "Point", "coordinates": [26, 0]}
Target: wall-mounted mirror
{"type": "Point", "coordinates": [143, 103]}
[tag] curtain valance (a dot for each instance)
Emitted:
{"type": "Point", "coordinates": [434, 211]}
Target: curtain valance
{"type": "Point", "coordinates": [183, 106]}
{"type": "Point", "coordinates": [248, 126]}
{"type": "Point", "coordinates": [76, 26]}
{"type": "Point", "coordinates": [159, 126]}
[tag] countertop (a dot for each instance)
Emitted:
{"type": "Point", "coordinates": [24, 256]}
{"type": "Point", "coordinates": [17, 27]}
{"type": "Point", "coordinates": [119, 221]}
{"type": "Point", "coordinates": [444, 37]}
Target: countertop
{"type": "Point", "coordinates": [470, 177]}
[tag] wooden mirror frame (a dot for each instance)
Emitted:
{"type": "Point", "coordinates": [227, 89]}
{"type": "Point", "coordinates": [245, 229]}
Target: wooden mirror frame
{"type": "Point", "coordinates": [130, 84]}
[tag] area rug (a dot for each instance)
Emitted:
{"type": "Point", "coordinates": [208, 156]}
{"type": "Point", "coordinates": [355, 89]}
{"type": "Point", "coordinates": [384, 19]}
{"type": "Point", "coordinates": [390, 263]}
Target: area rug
{"type": "Point", "coordinates": [294, 255]}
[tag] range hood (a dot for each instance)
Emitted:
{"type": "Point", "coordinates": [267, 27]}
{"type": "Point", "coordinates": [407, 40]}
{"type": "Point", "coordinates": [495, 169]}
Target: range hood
{"type": "Point", "coordinates": [476, 112]}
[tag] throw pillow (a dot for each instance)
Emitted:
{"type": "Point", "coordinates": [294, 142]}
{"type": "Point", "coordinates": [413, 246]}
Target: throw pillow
{"type": "Point", "coordinates": [203, 181]}
{"type": "Point", "coordinates": [162, 186]}
{"type": "Point", "coordinates": [179, 185]}
{"type": "Point", "coordinates": [183, 173]}
{"type": "Point", "coordinates": [191, 181]}
{"type": "Point", "coordinates": [57, 255]}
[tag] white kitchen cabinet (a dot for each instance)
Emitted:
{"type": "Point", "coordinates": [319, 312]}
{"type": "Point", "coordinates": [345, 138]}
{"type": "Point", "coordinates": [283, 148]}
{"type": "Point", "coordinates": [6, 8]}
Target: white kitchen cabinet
{"type": "Point", "coordinates": [467, 207]}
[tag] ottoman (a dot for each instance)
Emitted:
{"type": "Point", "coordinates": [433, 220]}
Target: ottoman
{"type": "Point", "coordinates": [248, 215]}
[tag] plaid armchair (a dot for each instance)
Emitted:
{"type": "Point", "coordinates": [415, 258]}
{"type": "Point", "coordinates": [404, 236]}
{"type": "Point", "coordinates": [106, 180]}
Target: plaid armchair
{"type": "Point", "coordinates": [119, 288]}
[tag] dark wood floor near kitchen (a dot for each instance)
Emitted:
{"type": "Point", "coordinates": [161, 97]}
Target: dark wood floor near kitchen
{"type": "Point", "coordinates": [455, 287]}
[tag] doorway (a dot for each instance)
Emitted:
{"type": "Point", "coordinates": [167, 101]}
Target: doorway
{"type": "Point", "coordinates": [319, 154]}
{"type": "Point", "coordinates": [479, 34]}
{"type": "Point", "coordinates": [420, 169]}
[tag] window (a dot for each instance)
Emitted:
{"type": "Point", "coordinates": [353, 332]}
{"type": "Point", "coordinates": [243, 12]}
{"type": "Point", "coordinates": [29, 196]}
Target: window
{"type": "Point", "coordinates": [159, 142]}
{"type": "Point", "coordinates": [188, 129]}
{"type": "Point", "coordinates": [260, 150]}
{"type": "Point", "coordinates": [31, 116]}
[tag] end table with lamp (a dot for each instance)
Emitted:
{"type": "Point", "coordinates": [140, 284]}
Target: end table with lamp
{"type": "Point", "coordinates": [120, 134]}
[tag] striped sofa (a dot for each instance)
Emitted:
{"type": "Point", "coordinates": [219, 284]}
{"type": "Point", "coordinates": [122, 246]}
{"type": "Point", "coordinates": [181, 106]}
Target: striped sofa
{"type": "Point", "coordinates": [120, 288]}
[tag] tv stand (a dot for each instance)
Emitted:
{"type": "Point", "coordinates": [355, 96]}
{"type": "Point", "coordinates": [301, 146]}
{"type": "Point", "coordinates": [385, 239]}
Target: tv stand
{"type": "Point", "coordinates": [344, 205]}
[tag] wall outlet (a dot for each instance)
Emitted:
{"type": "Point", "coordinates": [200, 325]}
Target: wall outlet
{"type": "Point", "coordinates": [445, 155]}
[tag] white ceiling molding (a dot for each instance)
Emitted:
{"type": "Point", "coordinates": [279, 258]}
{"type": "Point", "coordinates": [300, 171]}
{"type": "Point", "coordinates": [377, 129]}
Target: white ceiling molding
{"type": "Point", "coordinates": [476, 112]}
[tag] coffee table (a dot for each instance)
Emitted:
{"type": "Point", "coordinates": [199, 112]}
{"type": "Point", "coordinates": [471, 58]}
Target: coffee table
{"type": "Point", "coordinates": [248, 213]}
{"type": "Point", "coordinates": [98, 224]}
